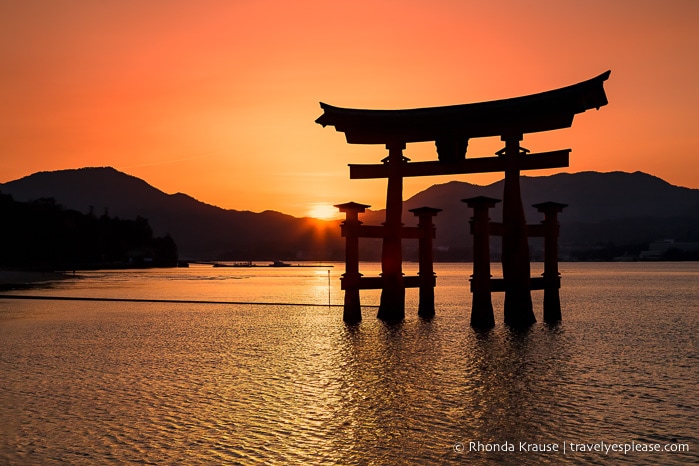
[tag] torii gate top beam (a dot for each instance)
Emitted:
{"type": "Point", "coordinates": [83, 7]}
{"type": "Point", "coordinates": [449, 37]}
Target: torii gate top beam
{"type": "Point", "coordinates": [455, 124]}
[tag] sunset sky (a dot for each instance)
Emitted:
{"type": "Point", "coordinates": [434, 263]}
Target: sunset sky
{"type": "Point", "coordinates": [217, 99]}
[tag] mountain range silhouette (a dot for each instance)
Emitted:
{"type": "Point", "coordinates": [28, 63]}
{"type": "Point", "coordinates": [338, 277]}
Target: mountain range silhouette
{"type": "Point", "coordinates": [616, 210]}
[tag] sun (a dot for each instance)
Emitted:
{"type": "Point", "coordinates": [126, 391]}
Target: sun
{"type": "Point", "coordinates": [323, 211]}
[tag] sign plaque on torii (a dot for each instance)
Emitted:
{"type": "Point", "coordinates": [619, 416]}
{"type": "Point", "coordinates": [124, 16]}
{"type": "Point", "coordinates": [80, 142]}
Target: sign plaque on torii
{"type": "Point", "coordinates": [451, 127]}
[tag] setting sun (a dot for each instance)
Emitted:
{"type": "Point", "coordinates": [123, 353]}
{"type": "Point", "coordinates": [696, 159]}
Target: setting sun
{"type": "Point", "coordinates": [323, 211]}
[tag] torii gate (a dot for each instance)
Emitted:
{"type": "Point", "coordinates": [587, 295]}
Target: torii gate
{"type": "Point", "coordinates": [451, 127]}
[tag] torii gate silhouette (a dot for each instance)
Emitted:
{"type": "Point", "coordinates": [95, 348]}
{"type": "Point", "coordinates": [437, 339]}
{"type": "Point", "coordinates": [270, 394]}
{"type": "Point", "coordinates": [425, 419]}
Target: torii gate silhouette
{"type": "Point", "coordinates": [451, 127]}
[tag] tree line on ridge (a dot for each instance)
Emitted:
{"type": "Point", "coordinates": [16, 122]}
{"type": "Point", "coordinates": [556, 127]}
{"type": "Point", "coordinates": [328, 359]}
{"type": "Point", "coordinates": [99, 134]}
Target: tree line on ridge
{"type": "Point", "coordinates": [42, 234]}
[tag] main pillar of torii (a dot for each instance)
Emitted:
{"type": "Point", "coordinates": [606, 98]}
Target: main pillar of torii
{"type": "Point", "coordinates": [450, 128]}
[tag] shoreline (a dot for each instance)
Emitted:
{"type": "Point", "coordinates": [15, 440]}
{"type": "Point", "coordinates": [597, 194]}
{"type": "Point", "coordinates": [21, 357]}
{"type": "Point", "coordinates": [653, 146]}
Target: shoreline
{"type": "Point", "coordinates": [12, 279]}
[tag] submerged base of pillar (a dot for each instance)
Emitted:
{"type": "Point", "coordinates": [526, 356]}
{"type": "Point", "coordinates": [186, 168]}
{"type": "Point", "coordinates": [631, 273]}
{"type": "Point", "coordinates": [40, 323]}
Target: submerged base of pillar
{"type": "Point", "coordinates": [426, 312]}
{"type": "Point", "coordinates": [425, 307]}
{"type": "Point", "coordinates": [394, 312]}
{"type": "Point", "coordinates": [392, 306]}
{"type": "Point", "coordinates": [482, 316]}
{"type": "Point", "coordinates": [518, 308]}
{"type": "Point", "coordinates": [352, 313]}
{"type": "Point", "coordinates": [552, 306]}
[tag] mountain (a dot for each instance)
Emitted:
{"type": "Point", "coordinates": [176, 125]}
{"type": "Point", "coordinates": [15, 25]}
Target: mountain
{"type": "Point", "coordinates": [617, 211]}
{"type": "Point", "coordinates": [201, 231]}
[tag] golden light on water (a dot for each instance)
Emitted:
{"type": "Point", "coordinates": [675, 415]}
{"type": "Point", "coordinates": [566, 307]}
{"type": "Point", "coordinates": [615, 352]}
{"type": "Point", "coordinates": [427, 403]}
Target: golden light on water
{"type": "Point", "coordinates": [268, 383]}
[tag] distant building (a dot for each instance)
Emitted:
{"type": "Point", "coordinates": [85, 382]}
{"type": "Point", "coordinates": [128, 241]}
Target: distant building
{"type": "Point", "coordinates": [658, 250]}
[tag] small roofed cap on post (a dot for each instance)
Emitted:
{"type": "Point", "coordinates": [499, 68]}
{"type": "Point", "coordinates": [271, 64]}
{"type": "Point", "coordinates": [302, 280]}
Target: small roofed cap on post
{"type": "Point", "coordinates": [425, 210]}
{"type": "Point", "coordinates": [352, 207]}
{"type": "Point", "coordinates": [549, 206]}
{"type": "Point", "coordinates": [481, 201]}
{"type": "Point", "coordinates": [533, 113]}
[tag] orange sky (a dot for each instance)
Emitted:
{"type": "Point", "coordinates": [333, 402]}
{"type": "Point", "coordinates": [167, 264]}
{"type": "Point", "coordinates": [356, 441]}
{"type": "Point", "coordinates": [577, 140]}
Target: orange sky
{"type": "Point", "coordinates": [218, 99]}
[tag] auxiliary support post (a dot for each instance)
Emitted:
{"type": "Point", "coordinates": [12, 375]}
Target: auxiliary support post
{"type": "Point", "coordinates": [351, 278]}
{"type": "Point", "coordinates": [552, 279]}
{"type": "Point", "coordinates": [426, 258]}
{"type": "Point", "coordinates": [482, 308]}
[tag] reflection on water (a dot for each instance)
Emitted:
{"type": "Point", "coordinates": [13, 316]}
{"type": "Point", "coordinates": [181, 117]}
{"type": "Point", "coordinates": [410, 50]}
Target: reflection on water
{"type": "Point", "coordinates": [86, 383]}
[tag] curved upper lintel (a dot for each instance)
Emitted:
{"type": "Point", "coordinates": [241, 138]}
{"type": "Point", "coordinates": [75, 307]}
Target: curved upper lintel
{"type": "Point", "coordinates": [533, 113]}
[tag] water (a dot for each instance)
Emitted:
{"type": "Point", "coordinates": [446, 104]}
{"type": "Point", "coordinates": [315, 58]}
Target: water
{"type": "Point", "coordinates": [182, 383]}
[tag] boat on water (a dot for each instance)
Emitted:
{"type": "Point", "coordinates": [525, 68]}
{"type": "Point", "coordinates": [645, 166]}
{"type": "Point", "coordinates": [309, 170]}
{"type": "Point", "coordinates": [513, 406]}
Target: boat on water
{"type": "Point", "coordinates": [278, 263]}
{"type": "Point", "coordinates": [236, 264]}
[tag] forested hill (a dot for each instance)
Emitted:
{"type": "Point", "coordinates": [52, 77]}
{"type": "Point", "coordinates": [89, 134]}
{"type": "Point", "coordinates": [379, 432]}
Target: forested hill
{"type": "Point", "coordinates": [43, 235]}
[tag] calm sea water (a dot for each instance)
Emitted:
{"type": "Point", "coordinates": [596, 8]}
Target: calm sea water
{"type": "Point", "coordinates": [164, 383]}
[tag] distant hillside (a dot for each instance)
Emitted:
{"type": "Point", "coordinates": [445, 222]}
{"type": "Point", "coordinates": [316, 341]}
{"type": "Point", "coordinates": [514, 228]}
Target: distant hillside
{"type": "Point", "coordinates": [617, 211]}
{"type": "Point", "coordinates": [201, 231]}
{"type": "Point", "coordinates": [604, 209]}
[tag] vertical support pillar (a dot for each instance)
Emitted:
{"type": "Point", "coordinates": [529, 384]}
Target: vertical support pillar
{"type": "Point", "coordinates": [426, 265]}
{"type": "Point", "coordinates": [392, 305]}
{"type": "Point", "coordinates": [515, 246]}
{"type": "Point", "coordinates": [552, 279]}
{"type": "Point", "coordinates": [482, 308]}
{"type": "Point", "coordinates": [352, 312]}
